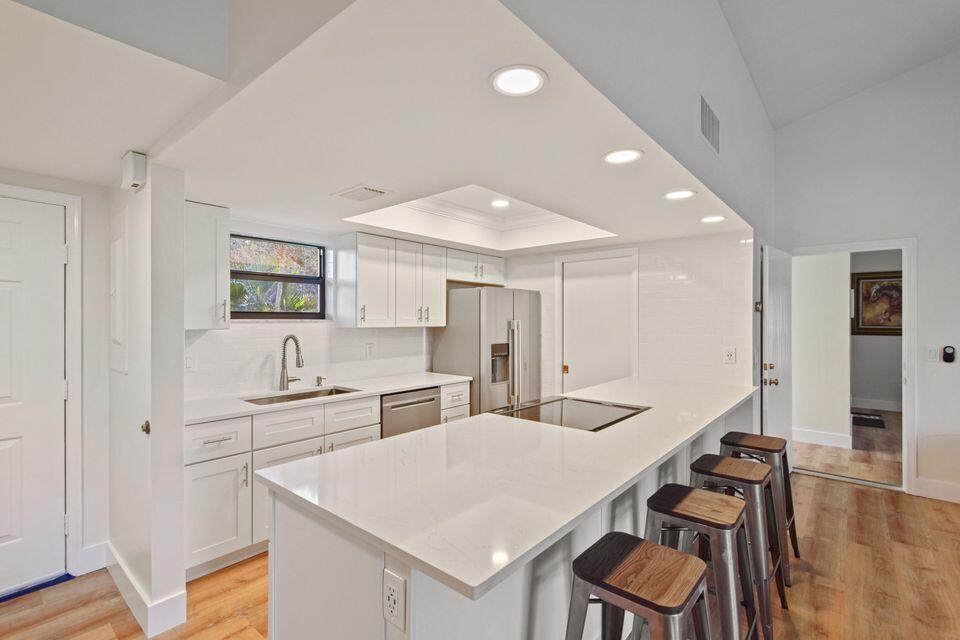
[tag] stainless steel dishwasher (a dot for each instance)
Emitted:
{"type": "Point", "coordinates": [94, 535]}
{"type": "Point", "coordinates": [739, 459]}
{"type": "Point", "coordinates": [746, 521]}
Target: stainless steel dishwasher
{"type": "Point", "coordinates": [409, 411]}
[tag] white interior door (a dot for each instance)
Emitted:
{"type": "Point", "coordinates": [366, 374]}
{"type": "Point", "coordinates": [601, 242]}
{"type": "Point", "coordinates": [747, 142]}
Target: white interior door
{"type": "Point", "coordinates": [599, 320]}
{"type": "Point", "coordinates": [776, 362]}
{"type": "Point", "coordinates": [32, 544]}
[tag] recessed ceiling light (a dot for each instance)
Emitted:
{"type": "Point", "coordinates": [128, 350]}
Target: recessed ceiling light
{"type": "Point", "coordinates": [712, 219]}
{"type": "Point", "coordinates": [683, 194]}
{"type": "Point", "coordinates": [622, 156]}
{"type": "Point", "coordinates": [519, 80]}
{"type": "Point", "coordinates": [500, 204]}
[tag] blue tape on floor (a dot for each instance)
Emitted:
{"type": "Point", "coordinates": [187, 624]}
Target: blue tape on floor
{"type": "Point", "coordinates": [36, 587]}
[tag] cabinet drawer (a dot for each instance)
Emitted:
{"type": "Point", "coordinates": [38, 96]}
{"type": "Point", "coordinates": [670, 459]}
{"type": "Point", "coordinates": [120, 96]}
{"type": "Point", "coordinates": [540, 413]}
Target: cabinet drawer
{"type": "Point", "coordinates": [454, 413]}
{"type": "Point", "coordinates": [454, 395]}
{"type": "Point", "coordinates": [209, 440]}
{"type": "Point", "coordinates": [350, 414]}
{"type": "Point", "coordinates": [281, 427]}
{"type": "Point", "coordinates": [351, 438]}
{"type": "Point", "coordinates": [268, 458]}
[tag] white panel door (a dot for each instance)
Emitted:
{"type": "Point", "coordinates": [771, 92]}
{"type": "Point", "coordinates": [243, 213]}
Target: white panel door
{"type": "Point", "coordinates": [434, 286]}
{"type": "Point", "coordinates": [599, 320]}
{"type": "Point", "coordinates": [777, 365]}
{"type": "Point", "coordinates": [376, 281]}
{"type": "Point", "coordinates": [31, 393]}
{"type": "Point", "coordinates": [217, 508]}
{"type": "Point", "coordinates": [206, 274]}
{"type": "Point", "coordinates": [269, 458]}
{"type": "Point", "coordinates": [462, 266]}
{"type": "Point", "coordinates": [491, 269]}
{"type": "Point", "coordinates": [409, 289]}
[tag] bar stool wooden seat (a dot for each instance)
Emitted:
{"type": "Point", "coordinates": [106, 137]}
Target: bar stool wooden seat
{"type": "Point", "coordinates": [661, 586]}
{"type": "Point", "coordinates": [772, 451]}
{"type": "Point", "coordinates": [719, 519]}
{"type": "Point", "coordinates": [752, 480]}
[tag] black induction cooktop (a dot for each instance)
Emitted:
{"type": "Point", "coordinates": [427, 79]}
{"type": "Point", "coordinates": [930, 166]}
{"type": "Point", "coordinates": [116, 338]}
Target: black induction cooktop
{"type": "Point", "coordinates": [588, 415]}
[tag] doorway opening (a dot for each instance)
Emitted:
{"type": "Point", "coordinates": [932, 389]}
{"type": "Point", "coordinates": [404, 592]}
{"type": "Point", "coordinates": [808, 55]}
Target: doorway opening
{"type": "Point", "coordinates": [847, 318]}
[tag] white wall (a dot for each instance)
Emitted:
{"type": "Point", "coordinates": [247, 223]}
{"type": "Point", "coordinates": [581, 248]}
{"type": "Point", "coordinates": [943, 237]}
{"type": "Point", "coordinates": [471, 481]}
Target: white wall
{"type": "Point", "coordinates": [876, 361]}
{"type": "Point", "coordinates": [884, 164]}
{"type": "Point", "coordinates": [821, 349]}
{"type": "Point", "coordinates": [695, 298]}
{"type": "Point", "coordinates": [246, 357]}
{"type": "Point", "coordinates": [654, 59]}
{"type": "Point", "coordinates": [95, 434]}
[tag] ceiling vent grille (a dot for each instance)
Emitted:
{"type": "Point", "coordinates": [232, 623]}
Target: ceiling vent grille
{"type": "Point", "coordinates": [361, 193]}
{"type": "Point", "coordinates": [709, 125]}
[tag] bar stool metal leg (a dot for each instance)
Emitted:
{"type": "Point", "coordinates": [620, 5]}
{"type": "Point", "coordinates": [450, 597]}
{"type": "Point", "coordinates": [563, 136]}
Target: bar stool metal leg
{"type": "Point", "coordinates": [579, 600]}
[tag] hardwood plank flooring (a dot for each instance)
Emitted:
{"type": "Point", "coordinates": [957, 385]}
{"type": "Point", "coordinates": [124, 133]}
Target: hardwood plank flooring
{"type": "Point", "coordinates": [875, 456]}
{"type": "Point", "coordinates": [876, 564]}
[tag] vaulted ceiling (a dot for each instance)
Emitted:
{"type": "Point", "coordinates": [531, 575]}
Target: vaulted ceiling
{"type": "Point", "coordinates": [807, 54]}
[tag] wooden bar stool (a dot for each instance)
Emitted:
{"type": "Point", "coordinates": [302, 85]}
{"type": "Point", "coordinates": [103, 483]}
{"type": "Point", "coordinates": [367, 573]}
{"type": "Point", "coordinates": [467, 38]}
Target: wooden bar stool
{"type": "Point", "coordinates": [752, 480]}
{"type": "Point", "coordinates": [772, 451]}
{"type": "Point", "coordinates": [719, 519]}
{"type": "Point", "coordinates": [656, 584]}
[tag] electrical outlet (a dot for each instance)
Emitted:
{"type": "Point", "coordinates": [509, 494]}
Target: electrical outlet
{"type": "Point", "coordinates": [189, 363]}
{"type": "Point", "coordinates": [729, 355]}
{"type": "Point", "coordinates": [394, 599]}
{"type": "Point", "coordinates": [369, 350]}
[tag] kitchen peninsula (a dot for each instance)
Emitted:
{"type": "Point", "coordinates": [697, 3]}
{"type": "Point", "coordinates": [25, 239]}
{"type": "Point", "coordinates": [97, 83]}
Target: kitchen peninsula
{"type": "Point", "coordinates": [478, 520]}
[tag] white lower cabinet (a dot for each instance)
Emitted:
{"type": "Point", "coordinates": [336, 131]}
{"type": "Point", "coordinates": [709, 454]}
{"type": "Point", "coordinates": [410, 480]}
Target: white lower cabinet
{"type": "Point", "coordinates": [352, 438]}
{"type": "Point", "coordinates": [456, 413]}
{"type": "Point", "coordinates": [217, 507]}
{"type": "Point", "coordinates": [268, 458]}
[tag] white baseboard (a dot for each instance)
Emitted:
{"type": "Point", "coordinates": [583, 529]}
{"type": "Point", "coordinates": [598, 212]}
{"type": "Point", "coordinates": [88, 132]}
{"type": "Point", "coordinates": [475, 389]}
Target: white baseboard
{"type": "Point", "coordinates": [810, 436]}
{"type": "Point", "coordinates": [876, 404]}
{"type": "Point", "coordinates": [154, 617]}
{"type": "Point", "coordinates": [936, 489]}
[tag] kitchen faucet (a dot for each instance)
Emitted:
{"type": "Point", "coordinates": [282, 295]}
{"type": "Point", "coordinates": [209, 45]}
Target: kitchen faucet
{"type": "Point", "coordinates": [285, 380]}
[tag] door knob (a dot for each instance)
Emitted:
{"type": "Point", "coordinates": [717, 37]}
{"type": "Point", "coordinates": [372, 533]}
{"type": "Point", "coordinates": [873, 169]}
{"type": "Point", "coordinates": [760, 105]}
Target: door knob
{"type": "Point", "coordinates": [775, 381]}
{"type": "Point", "coordinates": [566, 368]}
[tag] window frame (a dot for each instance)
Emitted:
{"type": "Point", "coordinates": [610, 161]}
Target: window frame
{"type": "Point", "coordinates": [319, 280]}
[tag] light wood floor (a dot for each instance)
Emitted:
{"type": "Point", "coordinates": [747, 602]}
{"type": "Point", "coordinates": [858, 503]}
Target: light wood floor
{"type": "Point", "coordinates": [877, 564]}
{"type": "Point", "coordinates": [875, 456]}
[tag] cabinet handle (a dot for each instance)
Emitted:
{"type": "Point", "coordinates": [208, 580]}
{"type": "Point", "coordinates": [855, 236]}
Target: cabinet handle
{"type": "Point", "coordinates": [428, 314]}
{"type": "Point", "coordinates": [246, 474]}
{"type": "Point", "coordinates": [444, 419]}
{"type": "Point", "coordinates": [223, 316]}
{"type": "Point", "coordinates": [420, 314]}
{"type": "Point", "coordinates": [330, 448]}
{"type": "Point", "coordinates": [217, 440]}
{"type": "Point", "coordinates": [476, 271]}
{"type": "Point", "coordinates": [363, 313]}
{"type": "Point", "coordinates": [481, 272]}
{"type": "Point", "coordinates": [456, 396]}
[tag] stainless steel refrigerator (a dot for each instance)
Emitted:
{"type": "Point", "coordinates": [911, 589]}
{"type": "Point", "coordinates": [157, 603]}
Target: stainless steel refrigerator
{"type": "Point", "coordinates": [493, 335]}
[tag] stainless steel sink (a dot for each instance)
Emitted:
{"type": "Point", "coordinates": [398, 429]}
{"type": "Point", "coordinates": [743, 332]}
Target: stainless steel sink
{"type": "Point", "coordinates": [302, 395]}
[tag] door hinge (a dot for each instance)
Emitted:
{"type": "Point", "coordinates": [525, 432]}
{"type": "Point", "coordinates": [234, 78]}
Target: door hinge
{"type": "Point", "coordinates": [66, 389]}
{"type": "Point", "coordinates": [66, 254]}
{"type": "Point", "coordinates": [758, 307]}
{"type": "Point", "coordinates": [66, 524]}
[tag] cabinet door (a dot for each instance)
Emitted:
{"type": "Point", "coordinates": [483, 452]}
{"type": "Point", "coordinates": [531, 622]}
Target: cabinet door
{"type": "Point", "coordinates": [491, 269]}
{"type": "Point", "coordinates": [352, 438]}
{"type": "Point", "coordinates": [268, 458]}
{"type": "Point", "coordinates": [217, 514]}
{"type": "Point", "coordinates": [206, 276]}
{"type": "Point", "coordinates": [409, 286]}
{"type": "Point", "coordinates": [462, 266]}
{"type": "Point", "coordinates": [456, 413]}
{"type": "Point", "coordinates": [376, 281]}
{"type": "Point", "coordinates": [434, 286]}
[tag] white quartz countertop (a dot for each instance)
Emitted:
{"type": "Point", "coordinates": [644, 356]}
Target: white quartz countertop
{"type": "Point", "coordinates": [470, 501]}
{"type": "Point", "coordinates": [221, 408]}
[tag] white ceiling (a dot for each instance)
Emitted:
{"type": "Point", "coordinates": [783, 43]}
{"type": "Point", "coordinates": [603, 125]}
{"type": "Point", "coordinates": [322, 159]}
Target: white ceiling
{"type": "Point", "coordinates": [465, 216]}
{"type": "Point", "coordinates": [74, 101]}
{"type": "Point", "coordinates": [807, 54]}
{"type": "Point", "coordinates": [397, 96]}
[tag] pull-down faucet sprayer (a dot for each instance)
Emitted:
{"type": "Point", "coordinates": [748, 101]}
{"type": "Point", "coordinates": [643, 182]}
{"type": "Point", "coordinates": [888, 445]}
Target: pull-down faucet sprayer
{"type": "Point", "coordinates": [285, 380]}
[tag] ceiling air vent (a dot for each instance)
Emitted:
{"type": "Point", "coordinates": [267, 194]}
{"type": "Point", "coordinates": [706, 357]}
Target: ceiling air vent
{"type": "Point", "coordinates": [361, 193]}
{"type": "Point", "coordinates": [709, 125]}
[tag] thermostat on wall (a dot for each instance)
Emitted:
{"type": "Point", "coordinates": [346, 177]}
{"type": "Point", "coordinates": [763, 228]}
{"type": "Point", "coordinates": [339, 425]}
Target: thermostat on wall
{"type": "Point", "coordinates": [949, 354]}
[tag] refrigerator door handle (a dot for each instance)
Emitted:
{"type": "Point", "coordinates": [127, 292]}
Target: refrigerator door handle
{"type": "Point", "coordinates": [511, 371]}
{"type": "Point", "coordinates": [518, 340]}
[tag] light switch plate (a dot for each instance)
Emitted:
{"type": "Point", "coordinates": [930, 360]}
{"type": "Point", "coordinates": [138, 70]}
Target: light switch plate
{"type": "Point", "coordinates": [729, 355]}
{"type": "Point", "coordinates": [933, 354]}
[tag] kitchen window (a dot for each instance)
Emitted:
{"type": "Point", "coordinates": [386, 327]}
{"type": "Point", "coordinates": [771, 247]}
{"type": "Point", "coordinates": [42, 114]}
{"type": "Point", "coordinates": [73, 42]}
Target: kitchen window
{"type": "Point", "coordinates": [276, 279]}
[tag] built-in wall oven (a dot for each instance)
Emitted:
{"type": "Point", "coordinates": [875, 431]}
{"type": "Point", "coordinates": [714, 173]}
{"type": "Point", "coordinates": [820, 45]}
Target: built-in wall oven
{"type": "Point", "coordinates": [409, 411]}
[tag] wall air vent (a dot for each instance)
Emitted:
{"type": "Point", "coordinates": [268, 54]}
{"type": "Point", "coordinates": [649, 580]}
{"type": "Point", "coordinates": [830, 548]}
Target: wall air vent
{"type": "Point", "coordinates": [361, 193]}
{"type": "Point", "coordinates": [709, 125]}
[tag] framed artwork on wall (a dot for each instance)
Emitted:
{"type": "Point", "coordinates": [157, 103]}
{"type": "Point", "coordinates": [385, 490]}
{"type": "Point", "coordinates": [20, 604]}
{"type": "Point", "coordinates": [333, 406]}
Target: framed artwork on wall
{"type": "Point", "coordinates": [877, 299]}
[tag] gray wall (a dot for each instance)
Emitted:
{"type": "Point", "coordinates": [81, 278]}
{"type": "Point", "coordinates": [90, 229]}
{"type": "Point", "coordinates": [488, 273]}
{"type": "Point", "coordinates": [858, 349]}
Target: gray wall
{"type": "Point", "coordinates": [875, 361]}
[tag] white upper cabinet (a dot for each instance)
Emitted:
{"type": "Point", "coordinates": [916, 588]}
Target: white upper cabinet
{"type": "Point", "coordinates": [376, 281]}
{"type": "Point", "coordinates": [206, 276]}
{"type": "Point", "coordinates": [491, 269]}
{"type": "Point", "coordinates": [462, 266]}
{"type": "Point", "coordinates": [409, 284]}
{"type": "Point", "coordinates": [433, 286]}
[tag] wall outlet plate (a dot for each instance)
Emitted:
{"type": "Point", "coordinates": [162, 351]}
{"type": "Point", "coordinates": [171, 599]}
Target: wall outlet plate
{"type": "Point", "coordinates": [729, 355]}
{"type": "Point", "coordinates": [394, 599]}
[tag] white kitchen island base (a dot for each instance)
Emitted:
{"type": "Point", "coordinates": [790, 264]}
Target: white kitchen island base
{"type": "Point", "coordinates": [483, 538]}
